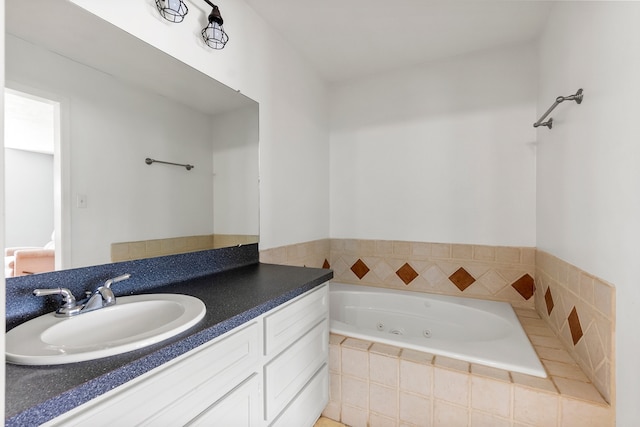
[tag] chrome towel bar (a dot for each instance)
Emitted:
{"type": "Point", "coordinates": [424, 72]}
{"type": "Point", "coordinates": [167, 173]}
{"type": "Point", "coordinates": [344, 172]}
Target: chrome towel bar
{"type": "Point", "coordinates": [150, 161]}
{"type": "Point", "coordinates": [549, 123]}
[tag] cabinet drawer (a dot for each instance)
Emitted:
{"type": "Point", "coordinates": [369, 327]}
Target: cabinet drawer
{"type": "Point", "coordinates": [240, 408]}
{"type": "Point", "coordinates": [309, 404]}
{"type": "Point", "coordinates": [289, 323]}
{"type": "Point", "coordinates": [288, 373]}
{"type": "Point", "coordinates": [174, 394]}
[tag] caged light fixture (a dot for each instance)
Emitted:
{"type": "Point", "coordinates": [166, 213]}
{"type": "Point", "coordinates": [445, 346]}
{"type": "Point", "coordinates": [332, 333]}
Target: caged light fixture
{"type": "Point", "coordinates": [213, 34]}
{"type": "Point", "coordinates": [172, 10]}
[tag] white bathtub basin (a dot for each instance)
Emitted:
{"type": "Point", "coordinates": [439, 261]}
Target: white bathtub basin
{"type": "Point", "coordinates": [133, 322]}
{"type": "Point", "coordinates": [473, 330]}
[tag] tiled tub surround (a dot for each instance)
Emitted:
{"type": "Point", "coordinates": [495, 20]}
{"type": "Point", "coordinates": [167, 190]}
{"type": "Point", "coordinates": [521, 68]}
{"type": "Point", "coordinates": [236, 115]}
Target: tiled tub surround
{"type": "Point", "coordinates": [374, 384]}
{"type": "Point", "coordinates": [491, 272]}
{"type": "Point", "coordinates": [579, 308]}
{"type": "Point", "coordinates": [232, 284]}
{"type": "Point", "coordinates": [127, 251]}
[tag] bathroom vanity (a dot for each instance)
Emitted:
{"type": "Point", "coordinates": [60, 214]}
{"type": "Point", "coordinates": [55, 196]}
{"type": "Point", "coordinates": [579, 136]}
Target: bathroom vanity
{"type": "Point", "coordinates": [258, 358]}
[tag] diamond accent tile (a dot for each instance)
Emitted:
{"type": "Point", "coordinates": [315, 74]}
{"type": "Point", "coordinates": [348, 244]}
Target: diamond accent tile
{"type": "Point", "coordinates": [406, 273]}
{"type": "Point", "coordinates": [462, 279]}
{"type": "Point", "coordinates": [525, 286]}
{"type": "Point", "coordinates": [326, 264]}
{"type": "Point", "coordinates": [574, 326]}
{"type": "Point", "coordinates": [548, 299]}
{"type": "Point", "coordinates": [359, 268]}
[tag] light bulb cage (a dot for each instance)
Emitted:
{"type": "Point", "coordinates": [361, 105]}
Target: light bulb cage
{"type": "Point", "coordinates": [213, 34]}
{"type": "Point", "coordinates": [171, 15]}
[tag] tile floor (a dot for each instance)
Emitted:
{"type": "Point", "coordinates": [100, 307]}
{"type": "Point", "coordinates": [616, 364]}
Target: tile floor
{"type": "Point", "coordinates": [327, 422]}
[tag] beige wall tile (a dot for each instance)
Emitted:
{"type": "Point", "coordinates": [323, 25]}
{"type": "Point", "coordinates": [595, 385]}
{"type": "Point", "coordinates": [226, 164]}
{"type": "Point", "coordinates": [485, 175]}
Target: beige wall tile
{"type": "Point", "coordinates": [355, 392]}
{"type": "Point", "coordinates": [446, 415]}
{"type": "Point", "coordinates": [385, 350]}
{"type": "Point", "coordinates": [383, 369]}
{"type": "Point", "coordinates": [451, 386]}
{"type": "Point", "coordinates": [491, 396]}
{"type": "Point", "coordinates": [420, 250]}
{"type": "Point", "coordinates": [383, 400]}
{"type": "Point", "coordinates": [441, 250]}
{"type": "Point", "coordinates": [578, 389]}
{"type": "Point", "coordinates": [532, 382]}
{"type": "Point", "coordinates": [357, 344]}
{"type": "Point", "coordinates": [564, 370]}
{"type": "Point", "coordinates": [335, 358]}
{"type": "Point", "coordinates": [484, 253]}
{"type": "Point", "coordinates": [332, 410]}
{"type": "Point", "coordinates": [415, 409]}
{"type": "Point", "coordinates": [509, 255]}
{"type": "Point", "coordinates": [355, 362]}
{"type": "Point", "coordinates": [355, 417]}
{"type": "Point", "coordinates": [377, 420]}
{"type": "Point", "coordinates": [489, 372]}
{"type": "Point", "coordinates": [335, 390]}
{"type": "Point", "coordinates": [416, 377]}
{"type": "Point", "coordinates": [575, 413]}
{"type": "Point", "coordinates": [453, 364]}
{"type": "Point", "coordinates": [534, 407]}
{"type": "Point", "coordinates": [462, 252]}
{"type": "Point", "coordinates": [479, 419]}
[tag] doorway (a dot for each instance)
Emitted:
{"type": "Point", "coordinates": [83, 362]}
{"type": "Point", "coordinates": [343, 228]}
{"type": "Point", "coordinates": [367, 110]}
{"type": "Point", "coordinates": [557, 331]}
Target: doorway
{"type": "Point", "coordinates": [31, 144]}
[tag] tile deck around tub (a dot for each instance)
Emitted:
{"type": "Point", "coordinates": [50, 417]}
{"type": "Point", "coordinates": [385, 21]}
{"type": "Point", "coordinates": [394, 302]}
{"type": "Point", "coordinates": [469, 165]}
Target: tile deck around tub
{"type": "Point", "coordinates": [376, 384]}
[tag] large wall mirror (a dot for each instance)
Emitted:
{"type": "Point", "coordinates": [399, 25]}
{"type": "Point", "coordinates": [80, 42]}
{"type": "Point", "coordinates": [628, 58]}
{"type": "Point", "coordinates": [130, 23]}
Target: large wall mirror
{"type": "Point", "coordinates": [87, 104]}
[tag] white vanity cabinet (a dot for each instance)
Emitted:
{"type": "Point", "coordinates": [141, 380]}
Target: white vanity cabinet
{"type": "Point", "coordinates": [270, 371]}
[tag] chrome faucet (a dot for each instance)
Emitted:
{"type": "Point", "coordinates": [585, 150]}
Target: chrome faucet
{"type": "Point", "coordinates": [100, 298]}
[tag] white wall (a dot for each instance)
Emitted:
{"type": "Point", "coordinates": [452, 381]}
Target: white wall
{"type": "Point", "coordinates": [111, 128]}
{"type": "Point", "coordinates": [235, 167]}
{"type": "Point", "coordinates": [28, 198]}
{"type": "Point", "coordinates": [294, 154]}
{"type": "Point", "coordinates": [588, 202]}
{"type": "Point", "coordinates": [441, 152]}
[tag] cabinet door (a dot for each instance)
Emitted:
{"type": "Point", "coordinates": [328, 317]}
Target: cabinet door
{"type": "Point", "coordinates": [174, 394]}
{"type": "Point", "coordinates": [240, 408]}
{"type": "Point", "coordinates": [288, 373]}
{"type": "Point", "coordinates": [307, 406]}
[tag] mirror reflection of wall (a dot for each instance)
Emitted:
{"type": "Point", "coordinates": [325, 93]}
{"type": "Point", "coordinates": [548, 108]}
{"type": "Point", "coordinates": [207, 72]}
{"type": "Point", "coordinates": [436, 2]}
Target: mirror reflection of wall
{"type": "Point", "coordinates": [122, 101]}
{"type": "Point", "coordinates": [29, 140]}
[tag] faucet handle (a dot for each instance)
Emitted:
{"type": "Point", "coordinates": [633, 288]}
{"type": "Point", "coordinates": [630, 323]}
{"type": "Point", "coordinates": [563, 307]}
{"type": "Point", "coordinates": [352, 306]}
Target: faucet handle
{"type": "Point", "coordinates": [68, 300]}
{"type": "Point", "coordinates": [110, 282]}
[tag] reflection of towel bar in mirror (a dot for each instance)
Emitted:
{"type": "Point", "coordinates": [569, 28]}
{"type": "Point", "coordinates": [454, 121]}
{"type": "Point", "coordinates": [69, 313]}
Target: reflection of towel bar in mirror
{"type": "Point", "coordinates": [150, 161]}
{"type": "Point", "coordinates": [549, 123]}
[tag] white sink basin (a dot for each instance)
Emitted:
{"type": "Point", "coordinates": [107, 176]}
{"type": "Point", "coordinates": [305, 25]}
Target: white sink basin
{"type": "Point", "coordinates": [133, 322]}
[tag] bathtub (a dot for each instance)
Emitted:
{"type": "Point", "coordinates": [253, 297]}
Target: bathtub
{"type": "Point", "coordinates": [476, 331]}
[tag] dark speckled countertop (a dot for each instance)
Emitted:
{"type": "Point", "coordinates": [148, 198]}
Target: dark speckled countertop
{"type": "Point", "coordinates": [36, 394]}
